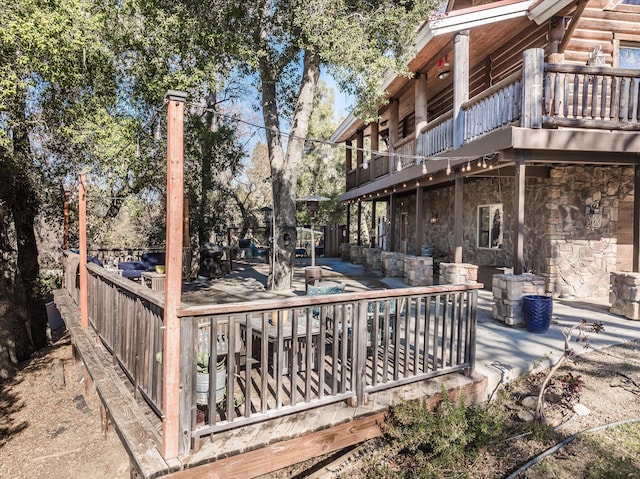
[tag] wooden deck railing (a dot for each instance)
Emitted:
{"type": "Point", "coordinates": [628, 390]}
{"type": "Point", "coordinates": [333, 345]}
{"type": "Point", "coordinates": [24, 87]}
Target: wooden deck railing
{"type": "Point", "coordinates": [557, 95]}
{"type": "Point", "coordinates": [591, 97]}
{"type": "Point", "coordinates": [405, 152]}
{"type": "Point", "coordinates": [436, 136]}
{"type": "Point", "coordinates": [279, 357]}
{"type": "Point", "coordinates": [301, 353]}
{"type": "Point", "coordinates": [494, 108]}
{"type": "Point", "coordinates": [128, 318]}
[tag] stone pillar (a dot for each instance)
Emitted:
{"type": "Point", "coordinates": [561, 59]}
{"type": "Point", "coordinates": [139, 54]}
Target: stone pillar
{"type": "Point", "coordinates": [345, 251]}
{"type": "Point", "coordinates": [458, 273]}
{"type": "Point", "coordinates": [355, 253]}
{"type": "Point", "coordinates": [625, 295]}
{"type": "Point", "coordinates": [392, 263]}
{"type": "Point", "coordinates": [418, 270]}
{"type": "Point", "coordinates": [372, 258]}
{"type": "Point", "coordinates": [508, 290]}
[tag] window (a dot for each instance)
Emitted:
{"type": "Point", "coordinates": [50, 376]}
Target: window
{"type": "Point", "coordinates": [490, 220]}
{"type": "Point", "coordinates": [629, 57]}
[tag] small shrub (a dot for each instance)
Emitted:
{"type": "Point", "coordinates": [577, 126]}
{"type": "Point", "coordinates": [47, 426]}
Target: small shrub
{"type": "Point", "coordinates": [437, 443]}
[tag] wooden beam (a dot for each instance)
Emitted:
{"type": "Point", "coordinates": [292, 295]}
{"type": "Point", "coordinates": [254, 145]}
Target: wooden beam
{"type": "Point", "coordinates": [65, 230]}
{"type": "Point", "coordinates": [393, 212]}
{"type": "Point", "coordinates": [636, 219]}
{"type": "Point", "coordinates": [419, 219]}
{"type": "Point", "coordinates": [460, 85]}
{"type": "Point", "coordinates": [573, 24]}
{"type": "Point", "coordinates": [286, 453]}
{"type": "Point", "coordinates": [532, 73]}
{"type": "Point", "coordinates": [82, 269]}
{"type": "Point", "coordinates": [518, 227]}
{"type": "Point", "coordinates": [458, 212]}
{"type": "Point", "coordinates": [359, 223]}
{"type": "Point", "coordinates": [173, 279]}
{"type": "Point", "coordinates": [372, 240]}
{"type": "Point", "coordinates": [394, 119]}
{"type": "Point", "coordinates": [349, 223]}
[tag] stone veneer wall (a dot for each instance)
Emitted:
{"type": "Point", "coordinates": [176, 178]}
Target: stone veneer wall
{"type": "Point", "coordinates": [418, 270]}
{"type": "Point", "coordinates": [458, 273]}
{"type": "Point", "coordinates": [372, 258]}
{"type": "Point", "coordinates": [625, 295]}
{"type": "Point", "coordinates": [392, 264]}
{"type": "Point", "coordinates": [508, 290]}
{"type": "Point", "coordinates": [573, 259]}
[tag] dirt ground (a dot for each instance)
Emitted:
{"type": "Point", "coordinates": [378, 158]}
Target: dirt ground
{"type": "Point", "coordinates": [51, 431]}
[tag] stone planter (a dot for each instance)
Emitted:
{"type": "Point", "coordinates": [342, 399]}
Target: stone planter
{"type": "Point", "coordinates": [392, 264]}
{"type": "Point", "coordinates": [418, 270]}
{"type": "Point", "coordinates": [372, 258]}
{"type": "Point", "coordinates": [355, 254]}
{"type": "Point", "coordinates": [458, 273]}
{"type": "Point", "coordinates": [508, 290]}
{"type": "Point", "coordinates": [625, 295]}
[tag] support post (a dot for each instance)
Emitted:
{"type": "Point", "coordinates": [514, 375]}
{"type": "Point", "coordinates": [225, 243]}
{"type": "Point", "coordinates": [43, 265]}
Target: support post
{"type": "Point", "coordinates": [173, 281]}
{"type": "Point", "coordinates": [393, 211]}
{"type": "Point", "coordinates": [532, 73]}
{"type": "Point", "coordinates": [460, 85]}
{"type": "Point", "coordinates": [348, 223]}
{"type": "Point", "coordinates": [636, 218]}
{"type": "Point", "coordinates": [394, 119]}
{"type": "Point", "coordinates": [421, 103]}
{"type": "Point", "coordinates": [518, 236]}
{"type": "Point", "coordinates": [359, 223]}
{"type": "Point", "coordinates": [458, 212]}
{"type": "Point", "coordinates": [82, 225]}
{"type": "Point", "coordinates": [372, 240]}
{"type": "Point", "coordinates": [359, 157]}
{"type": "Point", "coordinates": [419, 219]}
{"type": "Point", "coordinates": [65, 231]}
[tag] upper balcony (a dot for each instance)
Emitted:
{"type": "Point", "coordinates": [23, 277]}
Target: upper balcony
{"type": "Point", "coordinates": [540, 96]}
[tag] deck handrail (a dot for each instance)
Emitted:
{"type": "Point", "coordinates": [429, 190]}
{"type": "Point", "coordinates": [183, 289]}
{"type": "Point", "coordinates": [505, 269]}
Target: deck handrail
{"type": "Point", "coordinates": [334, 337]}
{"type": "Point", "coordinates": [296, 354]}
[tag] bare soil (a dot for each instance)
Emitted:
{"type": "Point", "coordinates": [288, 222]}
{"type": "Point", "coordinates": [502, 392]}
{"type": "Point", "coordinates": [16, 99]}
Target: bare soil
{"type": "Point", "coordinates": [54, 431]}
{"type": "Point", "coordinates": [51, 431]}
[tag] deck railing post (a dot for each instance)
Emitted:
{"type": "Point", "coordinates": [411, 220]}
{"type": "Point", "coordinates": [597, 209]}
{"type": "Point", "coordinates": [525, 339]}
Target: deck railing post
{"type": "Point", "coordinates": [82, 226]}
{"type": "Point", "coordinates": [532, 76]}
{"type": "Point", "coordinates": [171, 387]}
{"type": "Point", "coordinates": [460, 85]}
{"type": "Point", "coordinates": [359, 340]}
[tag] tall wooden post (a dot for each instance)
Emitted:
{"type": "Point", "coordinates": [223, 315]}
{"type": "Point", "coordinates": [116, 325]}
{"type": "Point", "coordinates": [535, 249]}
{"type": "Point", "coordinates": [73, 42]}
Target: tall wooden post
{"type": "Point", "coordinates": [518, 237]}
{"type": "Point", "coordinates": [348, 223]}
{"type": "Point", "coordinates": [419, 219]}
{"type": "Point", "coordinates": [393, 212]}
{"type": "Point", "coordinates": [636, 217]}
{"type": "Point", "coordinates": [532, 79]}
{"type": "Point", "coordinates": [372, 239]}
{"type": "Point", "coordinates": [173, 279]}
{"type": "Point", "coordinates": [458, 212]}
{"type": "Point", "coordinates": [82, 233]}
{"type": "Point", "coordinates": [359, 223]}
{"type": "Point", "coordinates": [359, 157]}
{"type": "Point", "coordinates": [65, 230]}
{"type": "Point", "coordinates": [420, 102]}
{"type": "Point", "coordinates": [394, 119]}
{"type": "Point", "coordinates": [460, 85]}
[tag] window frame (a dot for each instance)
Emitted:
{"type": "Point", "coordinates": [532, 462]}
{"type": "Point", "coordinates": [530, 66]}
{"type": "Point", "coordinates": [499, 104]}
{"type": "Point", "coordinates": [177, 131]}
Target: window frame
{"type": "Point", "coordinates": [493, 207]}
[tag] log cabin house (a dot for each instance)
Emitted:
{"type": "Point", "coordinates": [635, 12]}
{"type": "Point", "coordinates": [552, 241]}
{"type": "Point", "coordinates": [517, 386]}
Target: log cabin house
{"type": "Point", "coordinates": [515, 144]}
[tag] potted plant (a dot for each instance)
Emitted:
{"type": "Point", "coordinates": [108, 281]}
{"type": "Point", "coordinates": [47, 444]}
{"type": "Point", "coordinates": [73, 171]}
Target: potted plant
{"type": "Point", "coordinates": [202, 377]}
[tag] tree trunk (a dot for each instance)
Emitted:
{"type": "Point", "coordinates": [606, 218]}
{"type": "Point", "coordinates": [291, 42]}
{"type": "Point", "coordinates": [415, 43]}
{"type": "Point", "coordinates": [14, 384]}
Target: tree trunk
{"type": "Point", "coordinates": [285, 168]}
{"type": "Point", "coordinates": [23, 317]}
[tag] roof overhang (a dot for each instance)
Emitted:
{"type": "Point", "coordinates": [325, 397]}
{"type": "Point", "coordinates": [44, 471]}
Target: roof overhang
{"type": "Point", "coordinates": [460, 20]}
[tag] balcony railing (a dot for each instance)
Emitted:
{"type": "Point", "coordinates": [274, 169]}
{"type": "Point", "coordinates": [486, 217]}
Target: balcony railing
{"type": "Point", "coordinates": [561, 95]}
{"type": "Point", "coordinates": [591, 97]}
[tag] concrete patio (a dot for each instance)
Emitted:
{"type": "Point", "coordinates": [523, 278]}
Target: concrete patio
{"type": "Point", "coordinates": [502, 353]}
